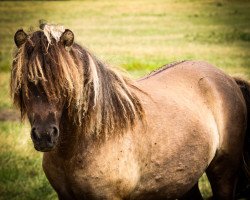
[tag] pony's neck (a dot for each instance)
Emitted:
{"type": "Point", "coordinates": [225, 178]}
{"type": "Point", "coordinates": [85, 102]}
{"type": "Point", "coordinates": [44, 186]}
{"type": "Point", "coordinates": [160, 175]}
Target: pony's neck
{"type": "Point", "coordinates": [71, 139]}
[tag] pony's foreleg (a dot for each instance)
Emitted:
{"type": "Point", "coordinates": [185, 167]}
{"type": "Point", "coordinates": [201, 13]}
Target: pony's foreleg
{"type": "Point", "coordinates": [192, 194]}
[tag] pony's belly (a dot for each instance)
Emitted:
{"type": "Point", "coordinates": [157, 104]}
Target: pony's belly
{"type": "Point", "coordinates": [90, 189]}
{"type": "Point", "coordinates": [171, 186]}
{"type": "Point", "coordinates": [160, 193]}
{"type": "Point", "coordinates": [166, 190]}
{"type": "Point", "coordinates": [170, 173]}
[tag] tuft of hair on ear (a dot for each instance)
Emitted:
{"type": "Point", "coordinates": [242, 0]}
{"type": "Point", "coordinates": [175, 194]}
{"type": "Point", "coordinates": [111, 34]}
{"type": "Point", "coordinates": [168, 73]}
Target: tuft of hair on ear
{"type": "Point", "coordinates": [20, 37]}
{"type": "Point", "coordinates": [67, 38]}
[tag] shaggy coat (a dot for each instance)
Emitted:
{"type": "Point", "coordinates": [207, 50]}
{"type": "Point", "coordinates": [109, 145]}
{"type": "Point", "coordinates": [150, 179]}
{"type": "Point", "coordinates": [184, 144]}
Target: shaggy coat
{"type": "Point", "coordinates": [108, 137]}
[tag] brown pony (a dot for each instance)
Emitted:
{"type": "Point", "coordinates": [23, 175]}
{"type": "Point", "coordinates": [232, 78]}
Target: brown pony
{"type": "Point", "coordinates": [105, 136]}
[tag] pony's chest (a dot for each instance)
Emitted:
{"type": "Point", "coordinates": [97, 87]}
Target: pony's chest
{"type": "Point", "coordinates": [103, 177]}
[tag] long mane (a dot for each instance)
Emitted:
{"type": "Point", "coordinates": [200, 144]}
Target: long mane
{"type": "Point", "coordinates": [97, 97]}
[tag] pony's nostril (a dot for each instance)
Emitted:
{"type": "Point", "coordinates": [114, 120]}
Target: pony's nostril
{"type": "Point", "coordinates": [34, 134]}
{"type": "Point", "coordinates": [55, 131]}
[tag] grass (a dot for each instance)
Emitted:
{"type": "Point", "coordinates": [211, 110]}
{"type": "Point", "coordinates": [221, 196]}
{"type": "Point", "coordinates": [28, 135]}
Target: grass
{"type": "Point", "coordinates": [139, 36]}
{"type": "Point", "coordinates": [142, 35]}
{"type": "Point", "coordinates": [21, 172]}
{"type": "Point", "coordinates": [5, 101]}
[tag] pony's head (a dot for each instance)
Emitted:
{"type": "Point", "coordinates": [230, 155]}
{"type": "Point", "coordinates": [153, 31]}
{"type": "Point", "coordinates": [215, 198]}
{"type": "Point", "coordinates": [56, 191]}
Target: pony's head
{"type": "Point", "coordinates": [46, 76]}
{"type": "Point", "coordinates": [53, 78]}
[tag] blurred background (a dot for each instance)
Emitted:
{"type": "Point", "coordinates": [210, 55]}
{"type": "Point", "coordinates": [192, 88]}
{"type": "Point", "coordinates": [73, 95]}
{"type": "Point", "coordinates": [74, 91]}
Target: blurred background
{"type": "Point", "coordinates": [135, 35]}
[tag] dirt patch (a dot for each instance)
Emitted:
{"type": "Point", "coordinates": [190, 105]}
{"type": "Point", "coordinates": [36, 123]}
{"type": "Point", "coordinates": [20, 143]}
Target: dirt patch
{"type": "Point", "coordinates": [9, 115]}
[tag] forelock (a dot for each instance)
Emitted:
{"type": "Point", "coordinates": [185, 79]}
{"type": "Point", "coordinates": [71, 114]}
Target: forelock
{"type": "Point", "coordinates": [53, 31]}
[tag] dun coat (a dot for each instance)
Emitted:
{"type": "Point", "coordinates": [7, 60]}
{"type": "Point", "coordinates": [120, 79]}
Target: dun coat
{"type": "Point", "coordinates": [105, 136]}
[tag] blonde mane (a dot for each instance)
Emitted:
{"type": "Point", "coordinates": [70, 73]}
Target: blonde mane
{"type": "Point", "coordinates": [97, 97]}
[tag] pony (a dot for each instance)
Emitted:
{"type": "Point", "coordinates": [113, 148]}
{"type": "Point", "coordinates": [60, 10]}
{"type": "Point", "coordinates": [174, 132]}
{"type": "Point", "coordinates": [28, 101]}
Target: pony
{"type": "Point", "coordinates": [106, 136]}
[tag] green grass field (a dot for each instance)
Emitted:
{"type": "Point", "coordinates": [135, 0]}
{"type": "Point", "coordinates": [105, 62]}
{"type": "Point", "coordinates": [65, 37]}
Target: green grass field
{"type": "Point", "coordinates": [136, 35]}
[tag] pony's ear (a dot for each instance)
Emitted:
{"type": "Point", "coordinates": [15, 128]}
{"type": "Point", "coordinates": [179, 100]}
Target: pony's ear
{"type": "Point", "coordinates": [67, 38]}
{"type": "Point", "coordinates": [20, 37]}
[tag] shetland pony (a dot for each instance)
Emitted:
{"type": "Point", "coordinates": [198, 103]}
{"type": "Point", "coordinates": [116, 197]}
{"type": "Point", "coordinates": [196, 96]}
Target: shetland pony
{"type": "Point", "coordinates": [105, 136]}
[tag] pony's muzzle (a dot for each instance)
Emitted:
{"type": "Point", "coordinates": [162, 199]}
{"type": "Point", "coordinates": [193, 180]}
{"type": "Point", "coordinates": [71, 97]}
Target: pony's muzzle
{"type": "Point", "coordinates": [44, 139]}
